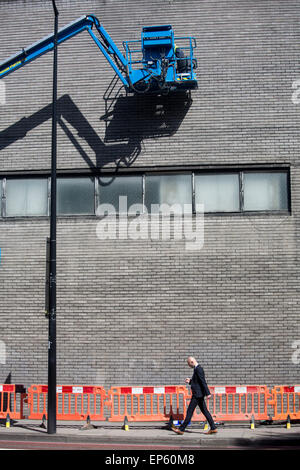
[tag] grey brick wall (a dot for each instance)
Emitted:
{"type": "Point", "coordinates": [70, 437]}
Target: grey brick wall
{"type": "Point", "coordinates": [129, 312]}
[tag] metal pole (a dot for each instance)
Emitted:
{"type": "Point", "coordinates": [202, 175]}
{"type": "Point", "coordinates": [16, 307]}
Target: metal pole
{"type": "Point", "coordinates": [51, 428]}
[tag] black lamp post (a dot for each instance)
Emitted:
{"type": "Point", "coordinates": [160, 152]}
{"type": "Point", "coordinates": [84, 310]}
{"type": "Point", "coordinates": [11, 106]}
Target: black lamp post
{"type": "Point", "coordinates": [51, 428]}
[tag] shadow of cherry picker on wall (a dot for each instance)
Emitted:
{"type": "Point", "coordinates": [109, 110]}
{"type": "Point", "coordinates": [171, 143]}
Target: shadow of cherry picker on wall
{"type": "Point", "coordinates": [128, 122]}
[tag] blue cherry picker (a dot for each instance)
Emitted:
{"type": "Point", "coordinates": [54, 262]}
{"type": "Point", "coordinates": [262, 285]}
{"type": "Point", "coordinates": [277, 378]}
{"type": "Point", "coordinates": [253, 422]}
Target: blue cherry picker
{"type": "Point", "coordinates": [149, 65]}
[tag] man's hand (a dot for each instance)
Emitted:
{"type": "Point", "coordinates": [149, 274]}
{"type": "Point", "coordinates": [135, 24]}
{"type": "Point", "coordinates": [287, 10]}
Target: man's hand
{"type": "Point", "coordinates": [187, 380]}
{"type": "Point", "coordinates": [208, 396]}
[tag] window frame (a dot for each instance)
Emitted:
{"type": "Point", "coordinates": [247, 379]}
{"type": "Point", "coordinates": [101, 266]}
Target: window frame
{"type": "Point", "coordinates": [288, 192]}
{"type": "Point", "coordinates": [219, 172]}
{"type": "Point", "coordinates": [149, 172]}
{"type": "Point", "coordinates": [172, 173]}
{"type": "Point", "coordinates": [241, 173]}
{"type": "Point", "coordinates": [110, 175]}
{"type": "Point", "coordinates": [66, 176]}
{"type": "Point", "coordinates": [4, 196]}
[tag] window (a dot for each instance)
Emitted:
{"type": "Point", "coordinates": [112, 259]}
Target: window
{"type": "Point", "coordinates": [168, 189]}
{"type": "Point", "coordinates": [26, 197]}
{"type": "Point", "coordinates": [224, 191]}
{"type": "Point", "coordinates": [218, 192]}
{"type": "Point", "coordinates": [75, 196]}
{"type": "Point", "coordinates": [265, 191]}
{"type": "Point", "coordinates": [128, 188]}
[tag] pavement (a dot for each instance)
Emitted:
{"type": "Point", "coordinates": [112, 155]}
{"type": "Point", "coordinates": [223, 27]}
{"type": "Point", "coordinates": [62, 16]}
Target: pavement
{"type": "Point", "coordinates": [154, 435]}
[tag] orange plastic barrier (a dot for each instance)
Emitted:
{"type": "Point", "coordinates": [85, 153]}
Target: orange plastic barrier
{"type": "Point", "coordinates": [12, 401]}
{"type": "Point", "coordinates": [147, 403]}
{"type": "Point", "coordinates": [286, 402]}
{"type": "Point", "coordinates": [157, 403]}
{"type": "Point", "coordinates": [236, 403]}
{"type": "Point", "coordinates": [72, 402]}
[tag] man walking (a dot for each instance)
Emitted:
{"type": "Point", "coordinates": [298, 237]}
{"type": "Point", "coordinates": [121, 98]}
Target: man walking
{"type": "Point", "coordinates": [199, 391]}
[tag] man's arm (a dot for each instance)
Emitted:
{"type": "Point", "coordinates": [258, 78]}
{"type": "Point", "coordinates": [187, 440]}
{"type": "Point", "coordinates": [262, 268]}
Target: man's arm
{"type": "Point", "coordinates": [201, 377]}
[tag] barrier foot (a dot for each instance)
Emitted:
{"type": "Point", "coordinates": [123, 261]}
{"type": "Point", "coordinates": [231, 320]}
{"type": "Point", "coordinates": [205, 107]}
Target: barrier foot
{"type": "Point", "coordinates": [87, 425]}
{"type": "Point", "coordinates": [267, 422]}
{"type": "Point", "coordinates": [43, 424]}
{"type": "Point", "coordinates": [252, 423]}
{"type": "Point", "coordinates": [170, 423]}
{"type": "Point", "coordinates": [288, 422]}
{"type": "Point", "coordinates": [7, 422]}
{"type": "Point", "coordinates": [205, 426]}
{"type": "Point", "coordinates": [125, 424]}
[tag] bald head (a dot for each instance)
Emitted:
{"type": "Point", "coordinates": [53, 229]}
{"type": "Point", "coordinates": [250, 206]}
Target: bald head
{"type": "Point", "coordinates": [192, 361]}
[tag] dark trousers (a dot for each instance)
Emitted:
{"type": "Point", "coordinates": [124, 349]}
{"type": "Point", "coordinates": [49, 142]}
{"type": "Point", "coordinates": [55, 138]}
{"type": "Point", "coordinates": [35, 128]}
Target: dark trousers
{"type": "Point", "coordinates": [191, 408]}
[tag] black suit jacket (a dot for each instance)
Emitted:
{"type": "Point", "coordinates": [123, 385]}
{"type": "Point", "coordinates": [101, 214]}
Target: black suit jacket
{"type": "Point", "coordinates": [198, 383]}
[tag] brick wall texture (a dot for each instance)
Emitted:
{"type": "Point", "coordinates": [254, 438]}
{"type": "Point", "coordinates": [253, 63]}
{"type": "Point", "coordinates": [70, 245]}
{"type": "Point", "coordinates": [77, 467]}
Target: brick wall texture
{"type": "Point", "coordinates": [130, 311]}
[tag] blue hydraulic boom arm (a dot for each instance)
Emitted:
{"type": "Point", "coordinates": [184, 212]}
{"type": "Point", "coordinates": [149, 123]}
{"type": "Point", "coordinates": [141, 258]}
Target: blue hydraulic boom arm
{"type": "Point", "coordinates": [159, 67]}
{"type": "Point", "coordinates": [84, 23]}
